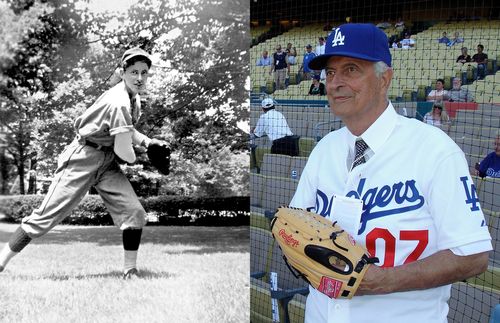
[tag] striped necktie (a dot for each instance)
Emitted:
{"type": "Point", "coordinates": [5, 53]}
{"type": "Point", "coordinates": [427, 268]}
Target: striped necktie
{"type": "Point", "coordinates": [361, 147]}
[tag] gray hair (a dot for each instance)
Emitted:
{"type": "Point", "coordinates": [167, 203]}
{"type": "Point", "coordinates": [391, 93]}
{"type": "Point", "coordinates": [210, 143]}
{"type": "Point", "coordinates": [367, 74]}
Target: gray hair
{"type": "Point", "coordinates": [380, 68]}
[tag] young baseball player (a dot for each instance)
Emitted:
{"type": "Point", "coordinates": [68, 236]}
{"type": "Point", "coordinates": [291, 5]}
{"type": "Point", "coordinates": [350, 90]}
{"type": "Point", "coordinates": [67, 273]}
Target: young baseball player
{"type": "Point", "coordinates": [419, 214]}
{"type": "Point", "coordinates": [103, 132]}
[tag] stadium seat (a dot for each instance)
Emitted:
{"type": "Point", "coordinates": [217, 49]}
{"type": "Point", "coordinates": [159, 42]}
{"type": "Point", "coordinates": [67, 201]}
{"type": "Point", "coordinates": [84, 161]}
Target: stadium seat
{"type": "Point", "coordinates": [278, 192]}
{"type": "Point", "coordinates": [257, 183]}
{"type": "Point", "coordinates": [468, 301]}
{"type": "Point", "coordinates": [306, 145]}
{"type": "Point", "coordinates": [495, 314]}
{"type": "Point", "coordinates": [275, 165]}
{"type": "Point", "coordinates": [297, 308]}
{"type": "Point", "coordinates": [259, 155]}
{"type": "Point", "coordinates": [260, 302]}
{"type": "Point", "coordinates": [488, 190]}
{"type": "Point", "coordinates": [297, 165]}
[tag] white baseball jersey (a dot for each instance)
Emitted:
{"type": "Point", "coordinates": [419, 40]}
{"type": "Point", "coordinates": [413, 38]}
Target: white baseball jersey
{"type": "Point", "coordinates": [418, 198]}
{"type": "Point", "coordinates": [274, 124]}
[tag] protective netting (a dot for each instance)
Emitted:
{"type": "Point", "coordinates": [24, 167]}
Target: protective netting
{"type": "Point", "coordinates": [431, 82]}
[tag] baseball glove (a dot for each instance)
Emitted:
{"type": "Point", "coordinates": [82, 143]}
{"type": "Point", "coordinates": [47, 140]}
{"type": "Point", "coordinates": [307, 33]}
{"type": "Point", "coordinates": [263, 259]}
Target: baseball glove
{"type": "Point", "coordinates": [323, 254]}
{"type": "Point", "coordinates": [159, 156]}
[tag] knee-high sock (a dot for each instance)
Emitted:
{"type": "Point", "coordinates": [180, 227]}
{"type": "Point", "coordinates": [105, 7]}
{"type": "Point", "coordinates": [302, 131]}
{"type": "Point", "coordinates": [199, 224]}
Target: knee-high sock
{"type": "Point", "coordinates": [17, 242]}
{"type": "Point", "coordinates": [131, 242]}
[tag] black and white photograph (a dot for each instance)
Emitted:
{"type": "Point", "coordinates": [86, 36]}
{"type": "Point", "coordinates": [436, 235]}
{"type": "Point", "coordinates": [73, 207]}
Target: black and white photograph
{"type": "Point", "coordinates": [124, 183]}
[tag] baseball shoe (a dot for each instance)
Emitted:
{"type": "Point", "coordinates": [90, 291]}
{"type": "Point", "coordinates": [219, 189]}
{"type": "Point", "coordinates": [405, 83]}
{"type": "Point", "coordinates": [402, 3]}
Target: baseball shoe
{"type": "Point", "coordinates": [131, 273]}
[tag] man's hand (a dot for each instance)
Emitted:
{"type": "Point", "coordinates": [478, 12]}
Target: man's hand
{"type": "Point", "coordinates": [158, 142]}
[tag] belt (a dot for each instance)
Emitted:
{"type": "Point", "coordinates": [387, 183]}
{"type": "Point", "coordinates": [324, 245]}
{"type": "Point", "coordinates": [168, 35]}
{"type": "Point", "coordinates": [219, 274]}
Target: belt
{"type": "Point", "coordinates": [97, 146]}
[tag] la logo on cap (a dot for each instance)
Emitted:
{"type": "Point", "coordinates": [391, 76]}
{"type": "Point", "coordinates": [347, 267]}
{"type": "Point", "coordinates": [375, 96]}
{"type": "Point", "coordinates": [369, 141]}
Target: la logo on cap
{"type": "Point", "coordinates": [338, 39]}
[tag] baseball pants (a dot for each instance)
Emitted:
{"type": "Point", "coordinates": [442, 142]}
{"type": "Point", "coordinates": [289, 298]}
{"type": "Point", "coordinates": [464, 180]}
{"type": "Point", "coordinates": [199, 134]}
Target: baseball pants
{"type": "Point", "coordinates": [279, 78]}
{"type": "Point", "coordinates": [78, 168]}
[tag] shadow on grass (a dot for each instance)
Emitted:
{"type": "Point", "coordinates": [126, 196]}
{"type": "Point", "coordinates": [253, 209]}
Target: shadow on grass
{"type": "Point", "coordinates": [209, 249]}
{"type": "Point", "coordinates": [115, 274]}
{"type": "Point", "coordinates": [208, 239]}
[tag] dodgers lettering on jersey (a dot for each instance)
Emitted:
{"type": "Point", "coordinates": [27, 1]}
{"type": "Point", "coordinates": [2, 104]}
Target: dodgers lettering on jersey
{"type": "Point", "coordinates": [375, 200]}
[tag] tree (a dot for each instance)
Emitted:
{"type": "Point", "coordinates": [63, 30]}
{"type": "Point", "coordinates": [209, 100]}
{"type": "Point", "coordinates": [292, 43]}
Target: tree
{"type": "Point", "coordinates": [32, 66]}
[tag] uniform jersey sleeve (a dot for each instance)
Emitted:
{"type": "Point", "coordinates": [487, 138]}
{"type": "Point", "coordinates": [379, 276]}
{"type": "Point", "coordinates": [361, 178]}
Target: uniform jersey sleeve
{"type": "Point", "coordinates": [120, 120]}
{"type": "Point", "coordinates": [455, 206]}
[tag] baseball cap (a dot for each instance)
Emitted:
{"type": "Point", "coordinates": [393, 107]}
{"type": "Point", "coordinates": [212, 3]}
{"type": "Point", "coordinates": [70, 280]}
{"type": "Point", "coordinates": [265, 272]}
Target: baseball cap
{"type": "Point", "coordinates": [308, 46]}
{"type": "Point", "coordinates": [133, 52]}
{"type": "Point", "coordinates": [363, 41]}
{"type": "Point", "coordinates": [267, 103]}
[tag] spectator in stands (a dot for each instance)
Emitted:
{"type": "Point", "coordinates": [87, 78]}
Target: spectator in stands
{"type": "Point", "coordinates": [317, 88]}
{"type": "Point", "coordinates": [459, 93]}
{"type": "Point", "coordinates": [264, 60]}
{"type": "Point", "coordinates": [320, 49]}
{"type": "Point", "coordinates": [481, 59]}
{"type": "Point", "coordinates": [308, 56]}
{"type": "Point", "coordinates": [395, 44]}
{"type": "Point", "coordinates": [384, 25]}
{"type": "Point", "coordinates": [490, 165]}
{"type": "Point", "coordinates": [292, 55]}
{"type": "Point", "coordinates": [457, 39]}
{"type": "Point", "coordinates": [400, 26]}
{"type": "Point", "coordinates": [437, 116]}
{"type": "Point", "coordinates": [439, 94]}
{"type": "Point", "coordinates": [464, 58]}
{"type": "Point", "coordinates": [444, 39]}
{"type": "Point", "coordinates": [273, 124]}
{"type": "Point", "coordinates": [280, 67]}
{"type": "Point", "coordinates": [407, 42]}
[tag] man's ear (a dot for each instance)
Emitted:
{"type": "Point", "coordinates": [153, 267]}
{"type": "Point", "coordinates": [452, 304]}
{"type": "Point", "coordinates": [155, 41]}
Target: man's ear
{"type": "Point", "coordinates": [121, 71]}
{"type": "Point", "coordinates": [387, 78]}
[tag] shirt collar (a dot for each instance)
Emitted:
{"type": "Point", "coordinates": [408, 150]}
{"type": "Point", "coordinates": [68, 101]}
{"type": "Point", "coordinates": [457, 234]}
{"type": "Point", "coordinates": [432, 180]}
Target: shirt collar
{"type": "Point", "coordinates": [376, 135]}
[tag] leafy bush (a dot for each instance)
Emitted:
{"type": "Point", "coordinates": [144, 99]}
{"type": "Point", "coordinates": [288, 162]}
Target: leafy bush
{"type": "Point", "coordinates": [90, 211]}
{"type": "Point", "coordinates": [163, 210]}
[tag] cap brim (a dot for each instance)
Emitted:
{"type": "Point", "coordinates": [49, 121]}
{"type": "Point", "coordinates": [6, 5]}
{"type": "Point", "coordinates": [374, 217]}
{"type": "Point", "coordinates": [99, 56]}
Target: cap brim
{"type": "Point", "coordinates": [319, 62]}
{"type": "Point", "coordinates": [136, 55]}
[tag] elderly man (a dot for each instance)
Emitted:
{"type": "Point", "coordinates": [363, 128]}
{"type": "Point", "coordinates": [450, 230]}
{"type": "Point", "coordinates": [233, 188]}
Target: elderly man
{"type": "Point", "coordinates": [419, 214]}
{"type": "Point", "coordinates": [459, 93]}
{"type": "Point", "coordinates": [264, 60]}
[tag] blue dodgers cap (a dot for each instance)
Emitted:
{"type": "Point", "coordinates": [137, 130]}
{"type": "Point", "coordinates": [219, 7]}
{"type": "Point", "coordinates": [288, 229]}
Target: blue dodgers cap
{"type": "Point", "coordinates": [363, 41]}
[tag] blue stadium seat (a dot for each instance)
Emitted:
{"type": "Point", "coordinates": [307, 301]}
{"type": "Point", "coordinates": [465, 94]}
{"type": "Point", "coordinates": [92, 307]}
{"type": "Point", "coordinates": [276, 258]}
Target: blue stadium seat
{"type": "Point", "coordinates": [495, 314]}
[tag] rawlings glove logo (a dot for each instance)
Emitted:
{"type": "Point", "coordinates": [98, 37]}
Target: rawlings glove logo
{"type": "Point", "coordinates": [289, 240]}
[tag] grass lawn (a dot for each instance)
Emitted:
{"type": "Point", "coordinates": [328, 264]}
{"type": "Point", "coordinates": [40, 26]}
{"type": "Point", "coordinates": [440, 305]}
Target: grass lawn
{"type": "Point", "coordinates": [73, 274]}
